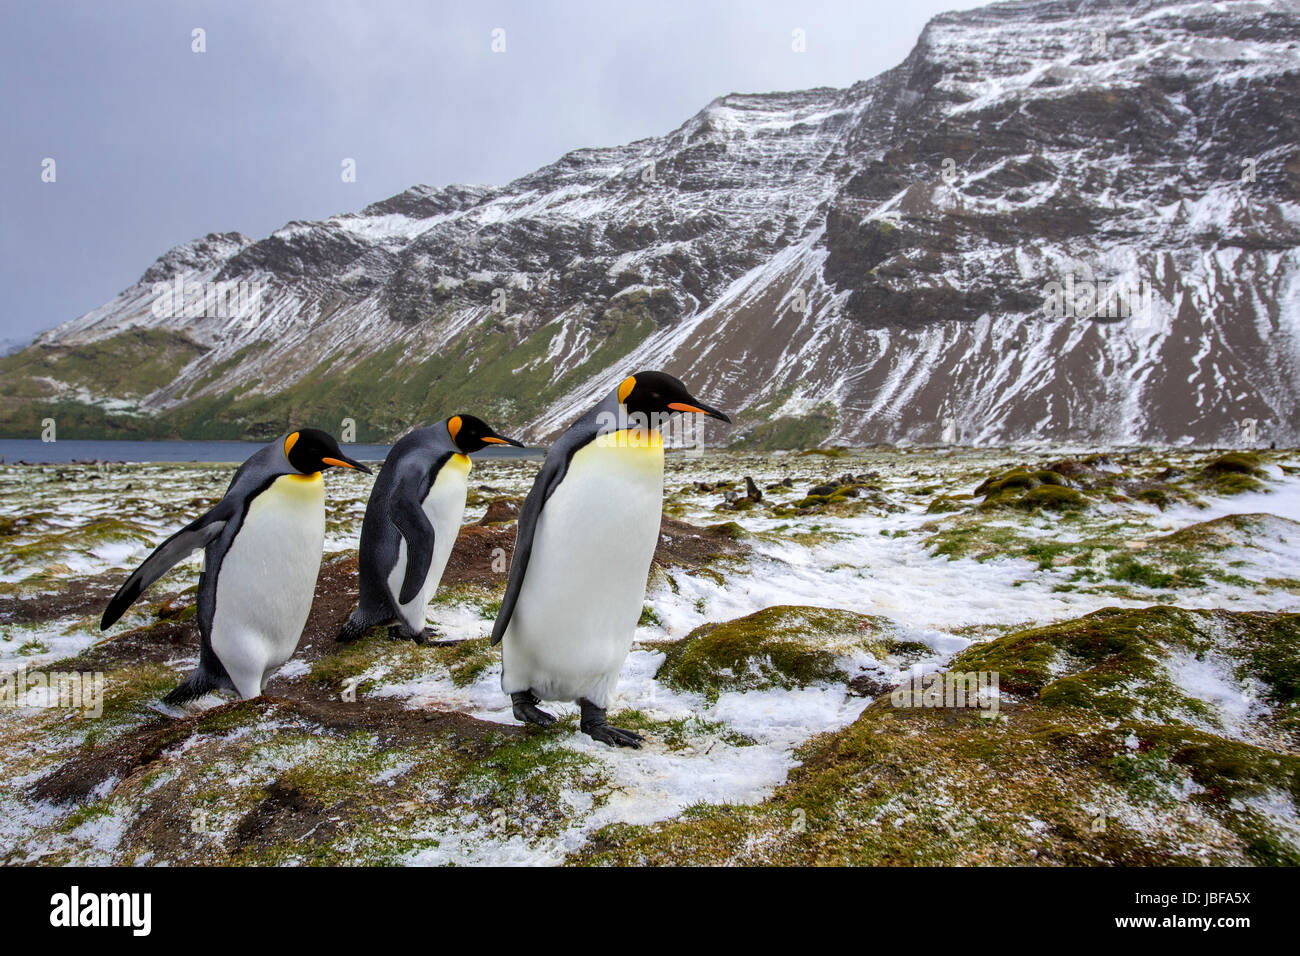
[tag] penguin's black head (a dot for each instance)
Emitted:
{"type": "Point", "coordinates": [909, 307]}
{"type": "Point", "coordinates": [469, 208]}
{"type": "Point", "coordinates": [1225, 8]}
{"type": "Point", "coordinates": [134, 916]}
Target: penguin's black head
{"type": "Point", "coordinates": [470, 434]}
{"type": "Point", "coordinates": [659, 393]}
{"type": "Point", "coordinates": [310, 450]}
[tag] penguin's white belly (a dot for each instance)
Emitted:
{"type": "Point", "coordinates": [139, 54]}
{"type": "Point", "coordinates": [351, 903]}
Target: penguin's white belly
{"type": "Point", "coordinates": [444, 506]}
{"type": "Point", "coordinates": [267, 580]}
{"type": "Point", "coordinates": [585, 584]}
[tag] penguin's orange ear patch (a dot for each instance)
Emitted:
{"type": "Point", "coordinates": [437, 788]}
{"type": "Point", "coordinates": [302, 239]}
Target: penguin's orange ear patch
{"type": "Point", "coordinates": [625, 389]}
{"type": "Point", "coordinates": [453, 426]}
{"type": "Point", "coordinates": [289, 443]}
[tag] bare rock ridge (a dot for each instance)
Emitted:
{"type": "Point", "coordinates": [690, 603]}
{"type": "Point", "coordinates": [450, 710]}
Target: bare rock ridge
{"type": "Point", "coordinates": [848, 266]}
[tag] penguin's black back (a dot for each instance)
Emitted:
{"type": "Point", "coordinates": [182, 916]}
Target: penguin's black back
{"type": "Point", "coordinates": [417, 456]}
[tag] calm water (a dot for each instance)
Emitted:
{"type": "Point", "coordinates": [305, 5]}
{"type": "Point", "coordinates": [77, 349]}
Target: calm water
{"type": "Point", "coordinates": [35, 451]}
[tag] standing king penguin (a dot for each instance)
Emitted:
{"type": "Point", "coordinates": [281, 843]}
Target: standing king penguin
{"type": "Point", "coordinates": [262, 544]}
{"type": "Point", "coordinates": [411, 524]}
{"type": "Point", "coordinates": [587, 534]}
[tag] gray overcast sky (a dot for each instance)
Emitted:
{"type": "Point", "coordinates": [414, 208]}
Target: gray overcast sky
{"type": "Point", "coordinates": [155, 144]}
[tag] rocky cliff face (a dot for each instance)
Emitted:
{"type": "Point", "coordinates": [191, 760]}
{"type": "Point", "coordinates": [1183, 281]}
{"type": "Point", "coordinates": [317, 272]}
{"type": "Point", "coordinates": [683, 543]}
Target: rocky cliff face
{"type": "Point", "coordinates": [1057, 219]}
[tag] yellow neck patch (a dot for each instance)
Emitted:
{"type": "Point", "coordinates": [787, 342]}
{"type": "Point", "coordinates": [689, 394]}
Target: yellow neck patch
{"type": "Point", "coordinates": [625, 388]}
{"type": "Point", "coordinates": [646, 439]}
{"type": "Point", "coordinates": [453, 426]}
{"type": "Point", "coordinates": [289, 443]}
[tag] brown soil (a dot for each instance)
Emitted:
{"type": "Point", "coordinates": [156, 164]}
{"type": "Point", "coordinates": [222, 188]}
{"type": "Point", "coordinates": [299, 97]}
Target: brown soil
{"type": "Point", "coordinates": [683, 545]}
{"type": "Point", "coordinates": [89, 598]}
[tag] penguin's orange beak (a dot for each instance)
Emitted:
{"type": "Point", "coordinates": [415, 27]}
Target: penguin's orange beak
{"type": "Point", "coordinates": [346, 463]}
{"type": "Point", "coordinates": [701, 408]}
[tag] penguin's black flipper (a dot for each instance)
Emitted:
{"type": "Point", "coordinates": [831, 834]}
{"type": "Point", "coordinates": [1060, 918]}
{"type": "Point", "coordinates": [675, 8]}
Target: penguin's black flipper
{"type": "Point", "coordinates": [407, 515]}
{"type": "Point", "coordinates": [197, 534]}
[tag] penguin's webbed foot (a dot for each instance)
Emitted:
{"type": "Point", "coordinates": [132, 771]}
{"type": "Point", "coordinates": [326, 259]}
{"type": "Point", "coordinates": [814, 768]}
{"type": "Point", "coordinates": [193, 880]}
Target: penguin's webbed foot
{"type": "Point", "coordinates": [350, 631]}
{"type": "Point", "coordinates": [595, 726]}
{"type": "Point", "coordinates": [526, 709]}
{"type": "Point", "coordinates": [400, 632]}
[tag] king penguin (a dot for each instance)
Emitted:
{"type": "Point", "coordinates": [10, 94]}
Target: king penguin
{"type": "Point", "coordinates": [262, 544]}
{"type": "Point", "coordinates": [411, 524]}
{"type": "Point", "coordinates": [587, 533]}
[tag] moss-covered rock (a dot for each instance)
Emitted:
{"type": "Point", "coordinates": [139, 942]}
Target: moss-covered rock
{"type": "Point", "coordinates": [1050, 498]}
{"type": "Point", "coordinates": [1018, 479]}
{"type": "Point", "coordinates": [1232, 473]}
{"type": "Point", "coordinates": [943, 504]}
{"type": "Point", "coordinates": [1026, 490]}
{"type": "Point", "coordinates": [1234, 463]}
{"type": "Point", "coordinates": [1125, 662]}
{"type": "Point", "coordinates": [842, 500]}
{"type": "Point", "coordinates": [782, 646]}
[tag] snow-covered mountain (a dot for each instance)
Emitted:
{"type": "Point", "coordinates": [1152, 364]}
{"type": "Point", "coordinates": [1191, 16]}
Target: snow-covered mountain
{"type": "Point", "coordinates": [906, 259]}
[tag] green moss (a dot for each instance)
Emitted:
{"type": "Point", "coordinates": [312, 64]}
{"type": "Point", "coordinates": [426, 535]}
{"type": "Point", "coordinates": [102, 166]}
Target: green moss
{"type": "Point", "coordinates": [56, 545]}
{"type": "Point", "coordinates": [681, 733]}
{"type": "Point", "coordinates": [981, 540]}
{"type": "Point", "coordinates": [1154, 496]}
{"type": "Point", "coordinates": [1234, 462]}
{"type": "Point", "coordinates": [375, 653]}
{"type": "Point", "coordinates": [1111, 661]}
{"type": "Point", "coordinates": [777, 647]}
{"type": "Point", "coordinates": [1232, 483]}
{"type": "Point", "coordinates": [466, 660]}
{"type": "Point", "coordinates": [943, 504]}
{"type": "Point", "coordinates": [729, 529]}
{"type": "Point", "coordinates": [129, 693]}
{"type": "Point", "coordinates": [1147, 774]}
{"type": "Point", "coordinates": [1029, 491]}
{"type": "Point", "coordinates": [1232, 473]}
{"type": "Point", "coordinates": [1051, 498]}
{"type": "Point", "coordinates": [820, 501]}
{"type": "Point", "coordinates": [1125, 567]}
{"type": "Point", "coordinates": [1016, 478]}
{"type": "Point", "coordinates": [532, 769]}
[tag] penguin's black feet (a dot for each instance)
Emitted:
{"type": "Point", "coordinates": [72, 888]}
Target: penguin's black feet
{"type": "Point", "coordinates": [350, 631]}
{"type": "Point", "coordinates": [400, 632]}
{"type": "Point", "coordinates": [596, 727]}
{"type": "Point", "coordinates": [526, 709]}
